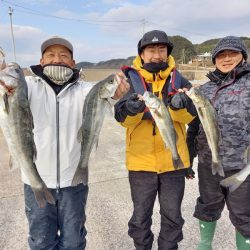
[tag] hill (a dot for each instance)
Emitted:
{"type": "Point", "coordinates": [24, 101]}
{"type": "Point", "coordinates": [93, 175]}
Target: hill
{"type": "Point", "coordinates": [184, 51]}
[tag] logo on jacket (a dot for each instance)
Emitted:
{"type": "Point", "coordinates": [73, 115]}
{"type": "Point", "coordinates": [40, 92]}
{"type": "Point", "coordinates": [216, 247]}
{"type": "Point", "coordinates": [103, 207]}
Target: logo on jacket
{"type": "Point", "coordinates": [235, 92]}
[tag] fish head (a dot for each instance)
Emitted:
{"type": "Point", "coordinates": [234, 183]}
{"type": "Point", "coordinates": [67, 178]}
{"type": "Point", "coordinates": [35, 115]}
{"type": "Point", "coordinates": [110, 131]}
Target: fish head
{"type": "Point", "coordinates": [108, 86]}
{"type": "Point", "coordinates": [151, 100]}
{"type": "Point", "coordinates": [10, 76]}
{"type": "Point", "coordinates": [196, 96]}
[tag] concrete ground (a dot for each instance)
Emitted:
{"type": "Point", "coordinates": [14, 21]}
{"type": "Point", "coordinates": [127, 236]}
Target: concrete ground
{"type": "Point", "coordinates": [109, 205]}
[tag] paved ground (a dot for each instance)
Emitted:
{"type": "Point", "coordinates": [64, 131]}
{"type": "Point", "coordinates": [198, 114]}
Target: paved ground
{"type": "Point", "coordinates": [109, 206]}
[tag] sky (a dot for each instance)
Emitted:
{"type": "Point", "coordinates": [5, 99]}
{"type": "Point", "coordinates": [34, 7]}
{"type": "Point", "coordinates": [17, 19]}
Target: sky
{"type": "Point", "coordinates": [107, 29]}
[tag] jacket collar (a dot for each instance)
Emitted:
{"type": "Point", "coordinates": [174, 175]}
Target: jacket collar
{"type": "Point", "coordinates": [219, 77]}
{"type": "Point", "coordinates": [150, 77]}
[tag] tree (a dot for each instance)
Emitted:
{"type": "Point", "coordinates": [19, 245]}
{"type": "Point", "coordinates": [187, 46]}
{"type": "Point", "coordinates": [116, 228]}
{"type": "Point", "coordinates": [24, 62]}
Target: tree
{"type": "Point", "coordinates": [183, 50]}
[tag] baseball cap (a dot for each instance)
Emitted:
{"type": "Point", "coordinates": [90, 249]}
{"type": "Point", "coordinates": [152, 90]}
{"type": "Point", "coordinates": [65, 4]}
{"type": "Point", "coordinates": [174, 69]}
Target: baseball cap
{"type": "Point", "coordinates": [56, 40]}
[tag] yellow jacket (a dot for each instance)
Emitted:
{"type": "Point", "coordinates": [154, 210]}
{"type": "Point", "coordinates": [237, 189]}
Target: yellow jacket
{"type": "Point", "coordinates": [145, 150]}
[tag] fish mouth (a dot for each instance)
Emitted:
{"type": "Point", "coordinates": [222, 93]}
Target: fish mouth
{"type": "Point", "coordinates": [8, 89]}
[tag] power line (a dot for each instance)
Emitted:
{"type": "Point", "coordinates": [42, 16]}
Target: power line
{"type": "Point", "coordinates": [39, 13]}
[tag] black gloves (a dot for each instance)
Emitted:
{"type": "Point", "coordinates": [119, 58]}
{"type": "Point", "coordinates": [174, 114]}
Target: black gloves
{"type": "Point", "coordinates": [134, 105]}
{"type": "Point", "coordinates": [181, 101]}
{"type": "Point", "coordinates": [189, 173]}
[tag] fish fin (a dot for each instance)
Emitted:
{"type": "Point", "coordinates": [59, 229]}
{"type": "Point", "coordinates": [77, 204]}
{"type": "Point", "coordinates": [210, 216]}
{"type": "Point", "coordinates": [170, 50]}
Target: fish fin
{"type": "Point", "coordinates": [231, 182]}
{"type": "Point", "coordinates": [13, 165]}
{"type": "Point", "coordinates": [158, 113]}
{"type": "Point", "coordinates": [80, 134]}
{"type": "Point", "coordinates": [96, 143]}
{"type": "Point", "coordinates": [34, 152]}
{"type": "Point", "coordinates": [217, 169]}
{"type": "Point", "coordinates": [43, 196]}
{"type": "Point", "coordinates": [6, 103]}
{"type": "Point", "coordinates": [178, 163]}
{"type": "Point", "coordinates": [81, 176]}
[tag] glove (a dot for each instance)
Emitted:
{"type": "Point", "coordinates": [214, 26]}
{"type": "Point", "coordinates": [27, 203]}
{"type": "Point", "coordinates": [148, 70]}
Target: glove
{"type": "Point", "coordinates": [181, 101]}
{"type": "Point", "coordinates": [134, 105]}
{"type": "Point", "coordinates": [189, 173]}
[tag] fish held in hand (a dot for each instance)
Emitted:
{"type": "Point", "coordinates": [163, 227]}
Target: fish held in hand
{"type": "Point", "coordinates": [95, 107]}
{"type": "Point", "coordinates": [164, 122]}
{"type": "Point", "coordinates": [16, 122]}
{"type": "Point", "coordinates": [234, 181]}
{"type": "Point", "coordinates": [208, 118]}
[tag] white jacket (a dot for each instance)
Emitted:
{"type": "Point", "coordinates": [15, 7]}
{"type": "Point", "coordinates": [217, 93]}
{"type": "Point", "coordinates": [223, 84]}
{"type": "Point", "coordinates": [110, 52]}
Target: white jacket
{"type": "Point", "coordinates": [54, 114]}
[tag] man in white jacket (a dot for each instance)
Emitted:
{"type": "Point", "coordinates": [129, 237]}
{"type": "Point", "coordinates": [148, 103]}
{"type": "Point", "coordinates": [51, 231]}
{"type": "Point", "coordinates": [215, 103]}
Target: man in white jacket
{"type": "Point", "coordinates": [56, 99]}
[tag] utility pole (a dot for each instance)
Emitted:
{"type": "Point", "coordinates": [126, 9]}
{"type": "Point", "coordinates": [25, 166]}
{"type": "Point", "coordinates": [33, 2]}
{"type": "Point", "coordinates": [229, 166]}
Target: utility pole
{"type": "Point", "coordinates": [12, 34]}
{"type": "Point", "coordinates": [183, 56]}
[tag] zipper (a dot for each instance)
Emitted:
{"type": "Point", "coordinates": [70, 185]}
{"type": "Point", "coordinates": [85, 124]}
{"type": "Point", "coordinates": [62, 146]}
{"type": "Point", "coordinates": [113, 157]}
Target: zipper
{"type": "Point", "coordinates": [57, 148]}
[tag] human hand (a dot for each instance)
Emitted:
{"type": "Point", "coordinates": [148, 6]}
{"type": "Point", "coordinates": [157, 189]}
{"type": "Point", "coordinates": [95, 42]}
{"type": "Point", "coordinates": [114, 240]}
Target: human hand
{"type": "Point", "coordinates": [181, 101]}
{"type": "Point", "coordinates": [135, 104]}
{"type": "Point", "coordinates": [123, 86]}
{"type": "Point", "coordinates": [189, 173]}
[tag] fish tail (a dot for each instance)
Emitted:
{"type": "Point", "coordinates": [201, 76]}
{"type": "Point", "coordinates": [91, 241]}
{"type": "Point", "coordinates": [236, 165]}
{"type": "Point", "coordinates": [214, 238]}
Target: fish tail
{"type": "Point", "coordinates": [217, 169]}
{"type": "Point", "coordinates": [43, 196]}
{"type": "Point", "coordinates": [81, 176]}
{"type": "Point", "coordinates": [178, 163]}
{"type": "Point", "coordinates": [231, 182]}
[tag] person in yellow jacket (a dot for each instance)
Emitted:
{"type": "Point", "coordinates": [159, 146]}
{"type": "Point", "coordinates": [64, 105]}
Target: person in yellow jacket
{"type": "Point", "coordinates": [148, 161]}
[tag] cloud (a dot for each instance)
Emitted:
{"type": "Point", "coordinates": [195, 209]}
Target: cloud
{"type": "Point", "coordinates": [27, 48]}
{"type": "Point", "coordinates": [66, 14]}
{"type": "Point", "coordinates": [197, 20]}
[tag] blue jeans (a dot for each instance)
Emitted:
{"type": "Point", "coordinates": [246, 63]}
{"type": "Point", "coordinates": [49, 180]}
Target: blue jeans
{"type": "Point", "coordinates": [59, 226]}
{"type": "Point", "coordinates": [170, 189]}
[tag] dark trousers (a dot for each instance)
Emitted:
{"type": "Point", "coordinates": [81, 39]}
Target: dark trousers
{"type": "Point", "coordinates": [213, 198]}
{"type": "Point", "coordinates": [59, 226]}
{"type": "Point", "coordinates": [170, 189]}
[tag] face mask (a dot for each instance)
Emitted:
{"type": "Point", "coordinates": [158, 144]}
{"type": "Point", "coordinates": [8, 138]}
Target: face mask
{"type": "Point", "coordinates": [155, 67]}
{"type": "Point", "coordinates": [59, 74]}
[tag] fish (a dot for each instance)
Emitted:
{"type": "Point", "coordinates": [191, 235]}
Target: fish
{"type": "Point", "coordinates": [164, 122]}
{"type": "Point", "coordinates": [234, 181]}
{"type": "Point", "coordinates": [95, 107]}
{"type": "Point", "coordinates": [16, 123]}
{"type": "Point", "coordinates": [208, 118]}
{"type": "Point", "coordinates": [2, 59]}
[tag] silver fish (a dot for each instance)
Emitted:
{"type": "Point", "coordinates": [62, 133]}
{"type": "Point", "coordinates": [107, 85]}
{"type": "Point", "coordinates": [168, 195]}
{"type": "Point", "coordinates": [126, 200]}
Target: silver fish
{"type": "Point", "coordinates": [208, 118]}
{"type": "Point", "coordinates": [2, 59]}
{"type": "Point", "coordinates": [95, 108]}
{"type": "Point", "coordinates": [234, 181]}
{"type": "Point", "coordinates": [17, 125]}
{"type": "Point", "coordinates": [164, 122]}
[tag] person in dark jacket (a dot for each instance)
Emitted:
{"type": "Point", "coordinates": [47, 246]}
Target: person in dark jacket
{"type": "Point", "coordinates": [148, 161]}
{"type": "Point", "coordinates": [229, 91]}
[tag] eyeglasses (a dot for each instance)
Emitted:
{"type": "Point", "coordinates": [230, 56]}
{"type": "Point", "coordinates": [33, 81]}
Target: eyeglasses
{"type": "Point", "coordinates": [230, 54]}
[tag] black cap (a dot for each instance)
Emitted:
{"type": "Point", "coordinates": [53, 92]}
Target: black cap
{"type": "Point", "coordinates": [230, 43]}
{"type": "Point", "coordinates": [154, 37]}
